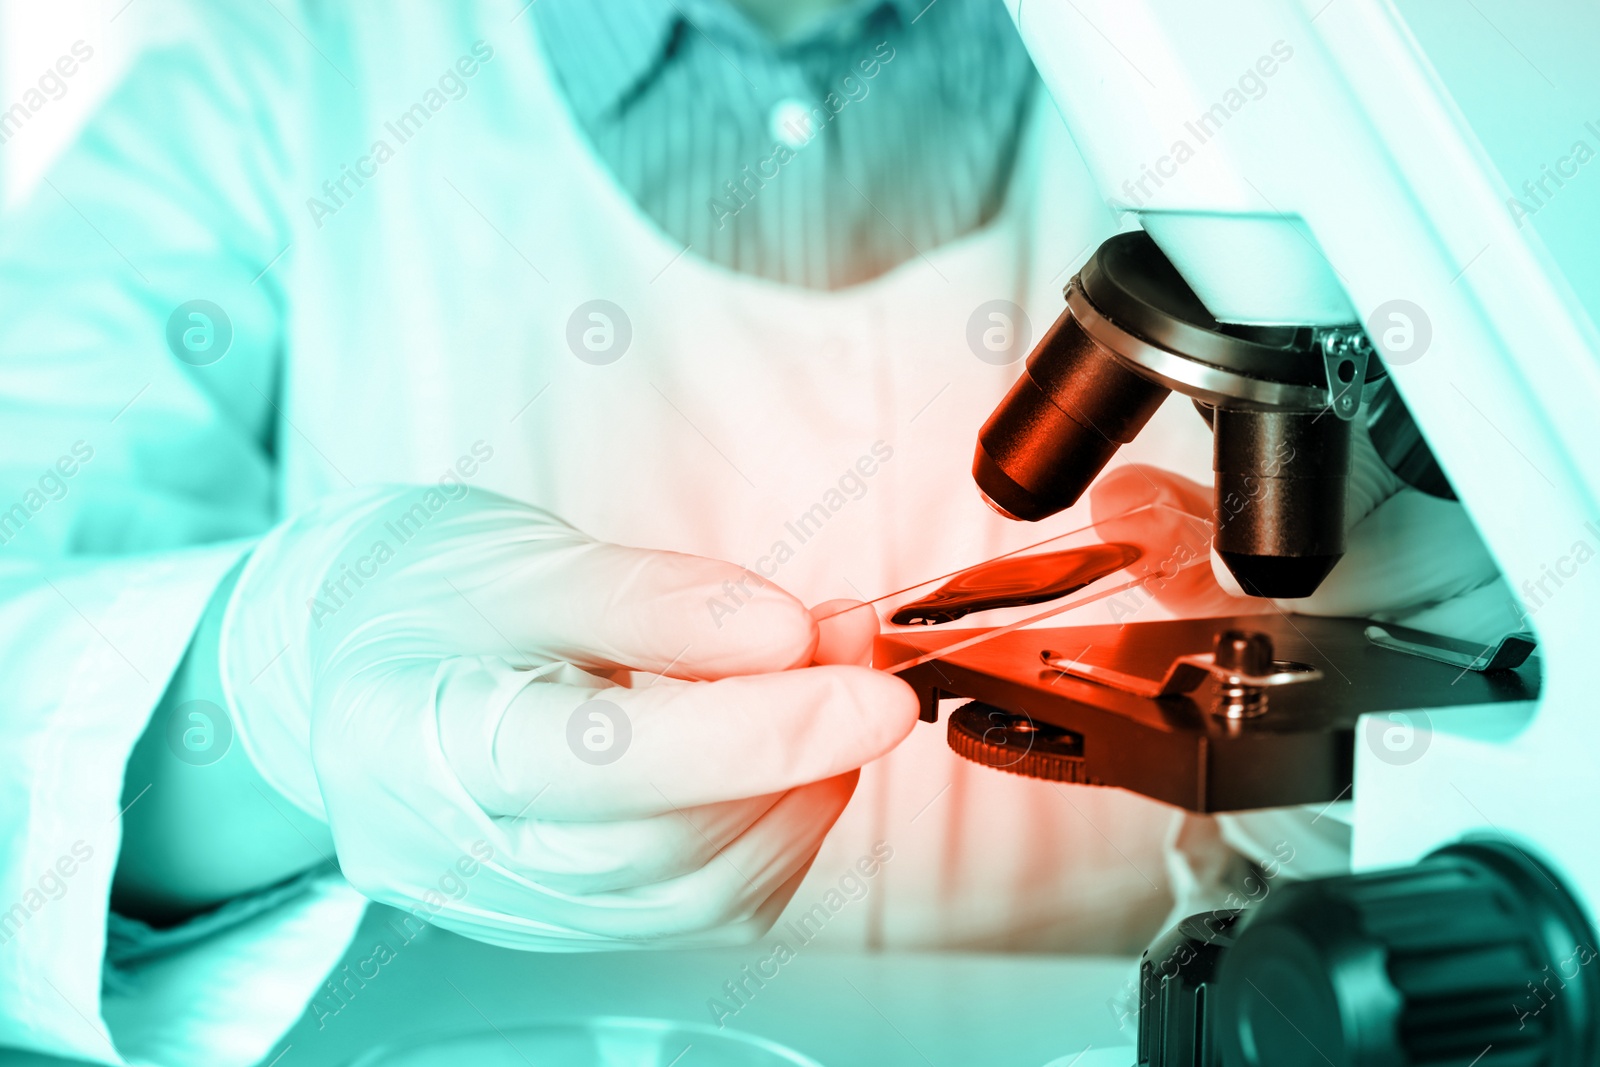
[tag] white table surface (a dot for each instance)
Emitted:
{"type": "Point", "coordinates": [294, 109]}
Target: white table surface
{"type": "Point", "coordinates": [841, 1008]}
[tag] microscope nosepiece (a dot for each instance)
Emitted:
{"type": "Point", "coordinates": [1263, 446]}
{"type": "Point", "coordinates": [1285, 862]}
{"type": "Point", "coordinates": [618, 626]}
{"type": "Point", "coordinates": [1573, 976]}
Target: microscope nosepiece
{"type": "Point", "coordinates": [1132, 332]}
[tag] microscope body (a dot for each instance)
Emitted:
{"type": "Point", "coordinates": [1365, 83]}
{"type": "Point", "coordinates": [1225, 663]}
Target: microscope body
{"type": "Point", "coordinates": [1301, 167]}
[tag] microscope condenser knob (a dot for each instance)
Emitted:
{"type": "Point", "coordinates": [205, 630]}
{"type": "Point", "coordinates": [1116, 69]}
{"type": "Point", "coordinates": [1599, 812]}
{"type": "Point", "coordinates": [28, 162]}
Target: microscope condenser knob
{"type": "Point", "coordinates": [1475, 955]}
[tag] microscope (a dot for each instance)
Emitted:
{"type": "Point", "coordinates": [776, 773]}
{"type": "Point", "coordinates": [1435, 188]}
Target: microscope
{"type": "Point", "coordinates": [1317, 247]}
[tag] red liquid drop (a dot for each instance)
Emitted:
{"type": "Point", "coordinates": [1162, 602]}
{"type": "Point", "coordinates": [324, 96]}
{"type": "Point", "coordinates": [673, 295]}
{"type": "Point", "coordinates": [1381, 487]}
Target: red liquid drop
{"type": "Point", "coordinates": [1010, 583]}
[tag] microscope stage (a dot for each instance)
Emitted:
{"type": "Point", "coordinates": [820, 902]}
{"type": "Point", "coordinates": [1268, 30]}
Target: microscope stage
{"type": "Point", "coordinates": [1298, 750]}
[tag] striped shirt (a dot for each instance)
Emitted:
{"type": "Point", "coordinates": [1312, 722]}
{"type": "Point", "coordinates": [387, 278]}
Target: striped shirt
{"type": "Point", "coordinates": [886, 130]}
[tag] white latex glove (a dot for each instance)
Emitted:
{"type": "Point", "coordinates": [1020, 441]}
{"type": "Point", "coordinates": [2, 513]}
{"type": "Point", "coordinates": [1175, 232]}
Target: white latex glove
{"type": "Point", "coordinates": [1184, 523]}
{"type": "Point", "coordinates": [433, 706]}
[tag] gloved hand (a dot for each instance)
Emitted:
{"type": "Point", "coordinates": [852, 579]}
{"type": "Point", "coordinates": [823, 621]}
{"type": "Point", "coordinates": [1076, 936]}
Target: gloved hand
{"type": "Point", "coordinates": [1178, 579]}
{"type": "Point", "coordinates": [1410, 558]}
{"type": "Point", "coordinates": [448, 703]}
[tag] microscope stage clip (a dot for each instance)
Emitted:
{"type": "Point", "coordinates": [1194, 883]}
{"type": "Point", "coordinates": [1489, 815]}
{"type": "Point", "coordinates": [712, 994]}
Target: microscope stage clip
{"type": "Point", "coordinates": [1242, 663]}
{"type": "Point", "coordinates": [1510, 651]}
{"type": "Point", "coordinates": [1184, 677]}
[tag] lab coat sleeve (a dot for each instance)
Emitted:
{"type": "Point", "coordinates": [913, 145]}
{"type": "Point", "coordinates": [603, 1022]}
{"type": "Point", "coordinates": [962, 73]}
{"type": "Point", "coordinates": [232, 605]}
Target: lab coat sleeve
{"type": "Point", "coordinates": [131, 480]}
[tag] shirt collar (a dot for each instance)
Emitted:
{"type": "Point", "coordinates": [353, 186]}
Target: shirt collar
{"type": "Point", "coordinates": [623, 44]}
{"type": "Point", "coordinates": [603, 49]}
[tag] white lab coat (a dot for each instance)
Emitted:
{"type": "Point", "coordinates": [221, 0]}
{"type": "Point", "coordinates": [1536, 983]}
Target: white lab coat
{"type": "Point", "coordinates": [425, 313]}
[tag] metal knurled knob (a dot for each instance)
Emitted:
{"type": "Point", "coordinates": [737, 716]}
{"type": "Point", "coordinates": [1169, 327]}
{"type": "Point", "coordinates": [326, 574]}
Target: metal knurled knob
{"type": "Point", "coordinates": [1012, 742]}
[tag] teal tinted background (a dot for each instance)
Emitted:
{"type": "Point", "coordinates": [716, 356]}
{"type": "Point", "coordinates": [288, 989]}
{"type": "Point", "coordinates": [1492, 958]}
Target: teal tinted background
{"type": "Point", "coordinates": [1526, 78]}
{"type": "Point", "coordinates": [1489, 54]}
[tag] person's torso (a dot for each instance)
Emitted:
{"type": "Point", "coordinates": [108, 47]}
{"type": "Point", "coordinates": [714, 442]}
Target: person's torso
{"type": "Point", "coordinates": [487, 290]}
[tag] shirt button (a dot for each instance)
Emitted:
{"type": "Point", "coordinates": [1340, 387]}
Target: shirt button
{"type": "Point", "coordinates": [790, 123]}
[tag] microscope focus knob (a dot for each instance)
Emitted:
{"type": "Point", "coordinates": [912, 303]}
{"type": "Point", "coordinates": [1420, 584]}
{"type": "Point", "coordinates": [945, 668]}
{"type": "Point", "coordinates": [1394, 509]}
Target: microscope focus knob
{"type": "Point", "coordinates": [1475, 955]}
{"type": "Point", "coordinates": [1017, 743]}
